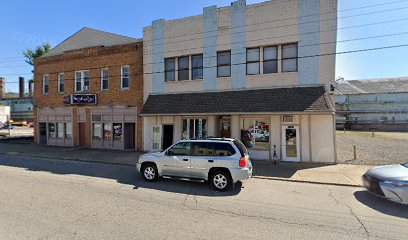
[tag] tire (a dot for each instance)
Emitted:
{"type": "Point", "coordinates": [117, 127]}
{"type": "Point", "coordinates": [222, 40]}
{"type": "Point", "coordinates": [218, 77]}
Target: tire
{"type": "Point", "coordinates": [149, 172]}
{"type": "Point", "coordinates": [220, 180]}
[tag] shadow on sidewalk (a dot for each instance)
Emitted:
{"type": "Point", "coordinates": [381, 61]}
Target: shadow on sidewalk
{"type": "Point", "coordinates": [382, 205]}
{"type": "Point", "coordinates": [281, 169]}
{"type": "Point", "coordinates": [121, 173]}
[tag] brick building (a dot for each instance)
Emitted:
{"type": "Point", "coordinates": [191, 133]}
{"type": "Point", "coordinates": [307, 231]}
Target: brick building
{"type": "Point", "coordinates": [88, 92]}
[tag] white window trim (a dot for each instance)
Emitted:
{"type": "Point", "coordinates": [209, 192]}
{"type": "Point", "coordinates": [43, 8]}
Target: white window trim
{"type": "Point", "coordinates": [48, 76]}
{"type": "Point", "coordinates": [59, 81]}
{"type": "Point", "coordinates": [82, 80]}
{"type": "Point", "coordinates": [121, 77]}
{"type": "Point", "coordinates": [104, 89]}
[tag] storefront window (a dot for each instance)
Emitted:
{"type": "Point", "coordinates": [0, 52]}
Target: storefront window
{"type": "Point", "coordinates": [107, 131]}
{"type": "Point", "coordinates": [68, 130]}
{"type": "Point", "coordinates": [194, 128]}
{"type": "Point", "coordinates": [117, 131]}
{"type": "Point", "coordinates": [255, 133]}
{"type": "Point", "coordinates": [51, 130]}
{"type": "Point", "coordinates": [60, 130]}
{"type": "Point", "coordinates": [97, 131]}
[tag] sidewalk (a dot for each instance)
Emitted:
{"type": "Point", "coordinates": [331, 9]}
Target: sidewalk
{"type": "Point", "coordinates": [341, 174]}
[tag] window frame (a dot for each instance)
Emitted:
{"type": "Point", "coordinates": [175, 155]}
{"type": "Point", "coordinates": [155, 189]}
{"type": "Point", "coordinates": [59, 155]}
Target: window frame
{"type": "Point", "coordinates": [122, 77]}
{"type": "Point", "coordinates": [195, 68]}
{"type": "Point", "coordinates": [59, 82]}
{"type": "Point", "coordinates": [48, 84]}
{"type": "Point", "coordinates": [264, 61]}
{"type": "Point", "coordinates": [224, 65]}
{"type": "Point", "coordinates": [82, 80]}
{"type": "Point", "coordinates": [183, 69]}
{"type": "Point", "coordinates": [102, 79]}
{"type": "Point", "coordinates": [167, 71]}
{"type": "Point", "coordinates": [251, 62]}
{"type": "Point", "coordinates": [290, 58]}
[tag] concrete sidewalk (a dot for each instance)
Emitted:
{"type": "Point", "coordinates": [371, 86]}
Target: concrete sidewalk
{"type": "Point", "coordinates": [341, 174]}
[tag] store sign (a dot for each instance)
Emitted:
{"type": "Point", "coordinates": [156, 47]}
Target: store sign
{"type": "Point", "coordinates": [77, 99]}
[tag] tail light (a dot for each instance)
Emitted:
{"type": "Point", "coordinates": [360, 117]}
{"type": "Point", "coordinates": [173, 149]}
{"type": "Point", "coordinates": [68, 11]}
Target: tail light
{"type": "Point", "coordinates": [242, 162]}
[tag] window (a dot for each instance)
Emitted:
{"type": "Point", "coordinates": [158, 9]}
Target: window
{"type": "Point", "coordinates": [270, 59]}
{"type": "Point", "coordinates": [117, 131]}
{"type": "Point", "coordinates": [255, 133]}
{"type": "Point", "coordinates": [51, 130]}
{"type": "Point", "coordinates": [183, 66]}
{"type": "Point", "coordinates": [223, 149]}
{"type": "Point", "coordinates": [180, 149]}
{"type": "Point", "coordinates": [97, 131]}
{"type": "Point", "coordinates": [104, 79]}
{"type": "Point", "coordinates": [194, 128]}
{"type": "Point", "coordinates": [197, 66]}
{"type": "Point", "coordinates": [252, 58]}
{"type": "Point", "coordinates": [289, 57]}
{"type": "Point", "coordinates": [68, 130]}
{"type": "Point", "coordinates": [81, 81]}
{"type": "Point", "coordinates": [46, 84]}
{"type": "Point", "coordinates": [170, 69]}
{"type": "Point", "coordinates": [61, 83]}
{"type": "Point", "coordinates": [60, 130]}
{"type": "Point", "coordinates": [224, 64]}
{"type": "Point", "coordinates": [200, 149]}
{"type": "Point", "coordinates": [107, 131]}
{"type": "Point", "coordinates": [124, 77]}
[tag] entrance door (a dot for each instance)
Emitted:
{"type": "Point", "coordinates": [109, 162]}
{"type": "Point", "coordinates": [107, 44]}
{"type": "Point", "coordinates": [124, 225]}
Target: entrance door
{"type": "Point", "coordinates": [167, 136]}
{"type": "Point", "coordinates": [129, 134]}
{"type": "Point", "coordinates": [43, 133]}
{"type": "Point", "coordinates": [81, 131]}
{"type": "Point", "coordinates": [225, 126]}
{"type": "Point", "coordinates": [290, 143]}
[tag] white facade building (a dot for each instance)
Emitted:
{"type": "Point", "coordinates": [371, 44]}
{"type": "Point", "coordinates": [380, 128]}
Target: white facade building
{"type": "Point", "coordinates": [4, 114]}
{"type": "Point", "coordinates": [260, 73]}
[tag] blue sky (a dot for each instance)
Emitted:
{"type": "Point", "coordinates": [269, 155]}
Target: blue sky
{"type": "Point", "coordinates": [26, 24]}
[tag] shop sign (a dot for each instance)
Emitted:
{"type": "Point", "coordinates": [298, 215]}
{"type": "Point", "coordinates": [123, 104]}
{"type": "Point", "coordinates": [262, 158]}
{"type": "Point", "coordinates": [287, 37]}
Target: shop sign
{"type": "Point", "coordinates": [75, 99]}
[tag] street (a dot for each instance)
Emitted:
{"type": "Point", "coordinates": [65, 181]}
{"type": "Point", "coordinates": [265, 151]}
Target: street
{"type": "Point", "coordinates": [56, 199]}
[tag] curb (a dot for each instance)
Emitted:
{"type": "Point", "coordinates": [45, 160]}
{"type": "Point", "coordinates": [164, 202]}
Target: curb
{"type": "Point", "coordinates": [305, 181]}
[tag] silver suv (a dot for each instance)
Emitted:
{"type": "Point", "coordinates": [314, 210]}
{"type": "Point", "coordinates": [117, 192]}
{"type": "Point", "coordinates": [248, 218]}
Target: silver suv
{"type": "Point", "coordinates": [220, 161]}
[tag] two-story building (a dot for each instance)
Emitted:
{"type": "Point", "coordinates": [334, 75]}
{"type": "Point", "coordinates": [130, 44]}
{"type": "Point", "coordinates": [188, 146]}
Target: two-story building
{"type": "Point", "coordinates": [89, 90]}
{"type": "Point", "coordinates": [261, 73]}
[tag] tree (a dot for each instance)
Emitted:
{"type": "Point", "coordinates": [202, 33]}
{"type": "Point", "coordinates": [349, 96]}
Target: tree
{"type": "Point", "coordinates": [31, 55]}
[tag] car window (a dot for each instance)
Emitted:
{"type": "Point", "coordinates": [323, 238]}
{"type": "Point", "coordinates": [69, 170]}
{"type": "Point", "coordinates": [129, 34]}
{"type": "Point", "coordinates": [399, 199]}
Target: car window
{"type": "Point", "coordinates": [223, 149]}
{"type": "Point", "coordinates": [180, 149]}
{"type": "Point", "coordinates": [241, 147]}
{"type": "Point", "coordinates": [405, 165]}
{"type": "Point", "coordinates": [200, 149]}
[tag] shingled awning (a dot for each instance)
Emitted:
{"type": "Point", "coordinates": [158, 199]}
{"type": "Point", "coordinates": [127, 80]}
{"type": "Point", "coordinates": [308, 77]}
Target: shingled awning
{"type": "Point", "coordinates": [294, 99]}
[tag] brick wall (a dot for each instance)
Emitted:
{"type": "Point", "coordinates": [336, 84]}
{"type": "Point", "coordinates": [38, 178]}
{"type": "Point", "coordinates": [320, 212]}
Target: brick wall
{"type": "Point", "coordinates": [92, 59]}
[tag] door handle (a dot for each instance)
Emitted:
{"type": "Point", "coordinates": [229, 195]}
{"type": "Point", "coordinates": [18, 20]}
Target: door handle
{"type": "Point", "coordinates": [185, 159]}
{"type": "Point", "coordinates": [210, 160]}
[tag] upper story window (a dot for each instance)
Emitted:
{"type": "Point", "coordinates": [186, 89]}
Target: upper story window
{"type": "Point", "coordinates": [61, 82]}
{"type": "Point", "coordinates": [270, 59]}
{"type": "Point", "coordinates": [104, 79]}
{"type": "Point", "coordinates": [125, 77]}
{"type": "Point", "coordinates": [253, 61]}
{"type": "Point", "coordinates": [170, 69]}
{"type": "Point", "coordinates": [46, 84]}
{"type": "Point", "coordinates": [183, 68]}
{"type": "Point", "coordinates": [81, 81]}
{"type": "Point", "coordinates": [224, 64]}
{"type": "Point", "coordinates": [197, 66]}
{"type": "Point", "coordinates": [289, 57]}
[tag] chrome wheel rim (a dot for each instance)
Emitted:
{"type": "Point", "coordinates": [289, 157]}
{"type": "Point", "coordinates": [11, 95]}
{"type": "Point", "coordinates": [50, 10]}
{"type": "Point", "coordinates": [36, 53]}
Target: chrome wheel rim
{"type": "Point", "coordinates": [149, 173]}
{"type": "Point", "coordinates": [220, 181]}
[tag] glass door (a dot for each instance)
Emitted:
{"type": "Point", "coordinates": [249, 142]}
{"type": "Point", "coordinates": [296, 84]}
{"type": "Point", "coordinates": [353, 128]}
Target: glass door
{"type": "Point", "coordinates": [290, 143]}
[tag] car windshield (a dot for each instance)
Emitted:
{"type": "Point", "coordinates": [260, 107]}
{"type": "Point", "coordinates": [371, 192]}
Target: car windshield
{"type": "Point", "coordinates": [241, 147]}
{"type": "Point", "coordinates": [405, 164]}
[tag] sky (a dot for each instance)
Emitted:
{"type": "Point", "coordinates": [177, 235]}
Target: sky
{"type": "Point", "coordinates": [26, 24]}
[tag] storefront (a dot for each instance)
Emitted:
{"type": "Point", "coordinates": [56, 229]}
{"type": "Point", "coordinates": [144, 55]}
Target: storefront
{"type": "Point", "coordinates": [298, 128]}
{"type": "Point", "coordinates": [56, 126]}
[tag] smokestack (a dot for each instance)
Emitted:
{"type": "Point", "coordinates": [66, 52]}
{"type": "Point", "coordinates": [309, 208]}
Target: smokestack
{"type": "Point", "coordinates": [21, 87]}
{"type": "Point", "coordinates": [2, 88]}
{"type": "Point", "coordinates": [30, 88]}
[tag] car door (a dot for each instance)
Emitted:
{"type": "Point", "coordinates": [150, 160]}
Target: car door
{"type": "Point", "coordinates": [223, 154]}
{"type": "Point", "coordinates": [177, 162]}
{"type": "Point", "coordinates": [202, 159]}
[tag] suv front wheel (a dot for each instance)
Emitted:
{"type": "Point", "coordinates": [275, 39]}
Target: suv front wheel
{"type": "Point", "coordinates": [149, 172]}
{"type": "Point", "coordinates": [220, 180]}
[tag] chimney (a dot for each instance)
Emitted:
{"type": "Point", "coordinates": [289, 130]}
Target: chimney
{"type": "Point", "coordinates": [30, 88]}
{"type": "Point", "coordinates": [21, 87]}
{"type": "Point", "coordinates": [2, 88]}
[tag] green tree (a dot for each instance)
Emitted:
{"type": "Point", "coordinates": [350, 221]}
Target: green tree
{"type": "Point", "coordinates": [31, 55]}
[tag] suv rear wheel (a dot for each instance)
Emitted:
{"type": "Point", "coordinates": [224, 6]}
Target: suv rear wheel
{"type": "Point", "coordinates": [149, 172]}
{"type": "Point", "coordinates": [220, 180]}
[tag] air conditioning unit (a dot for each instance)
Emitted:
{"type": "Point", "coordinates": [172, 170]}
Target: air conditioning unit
{"type": "Point", "coordinates": [288, 119]}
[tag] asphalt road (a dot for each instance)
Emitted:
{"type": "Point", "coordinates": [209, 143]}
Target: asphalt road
{"type": "Point", "coordinates": [55, 199]}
